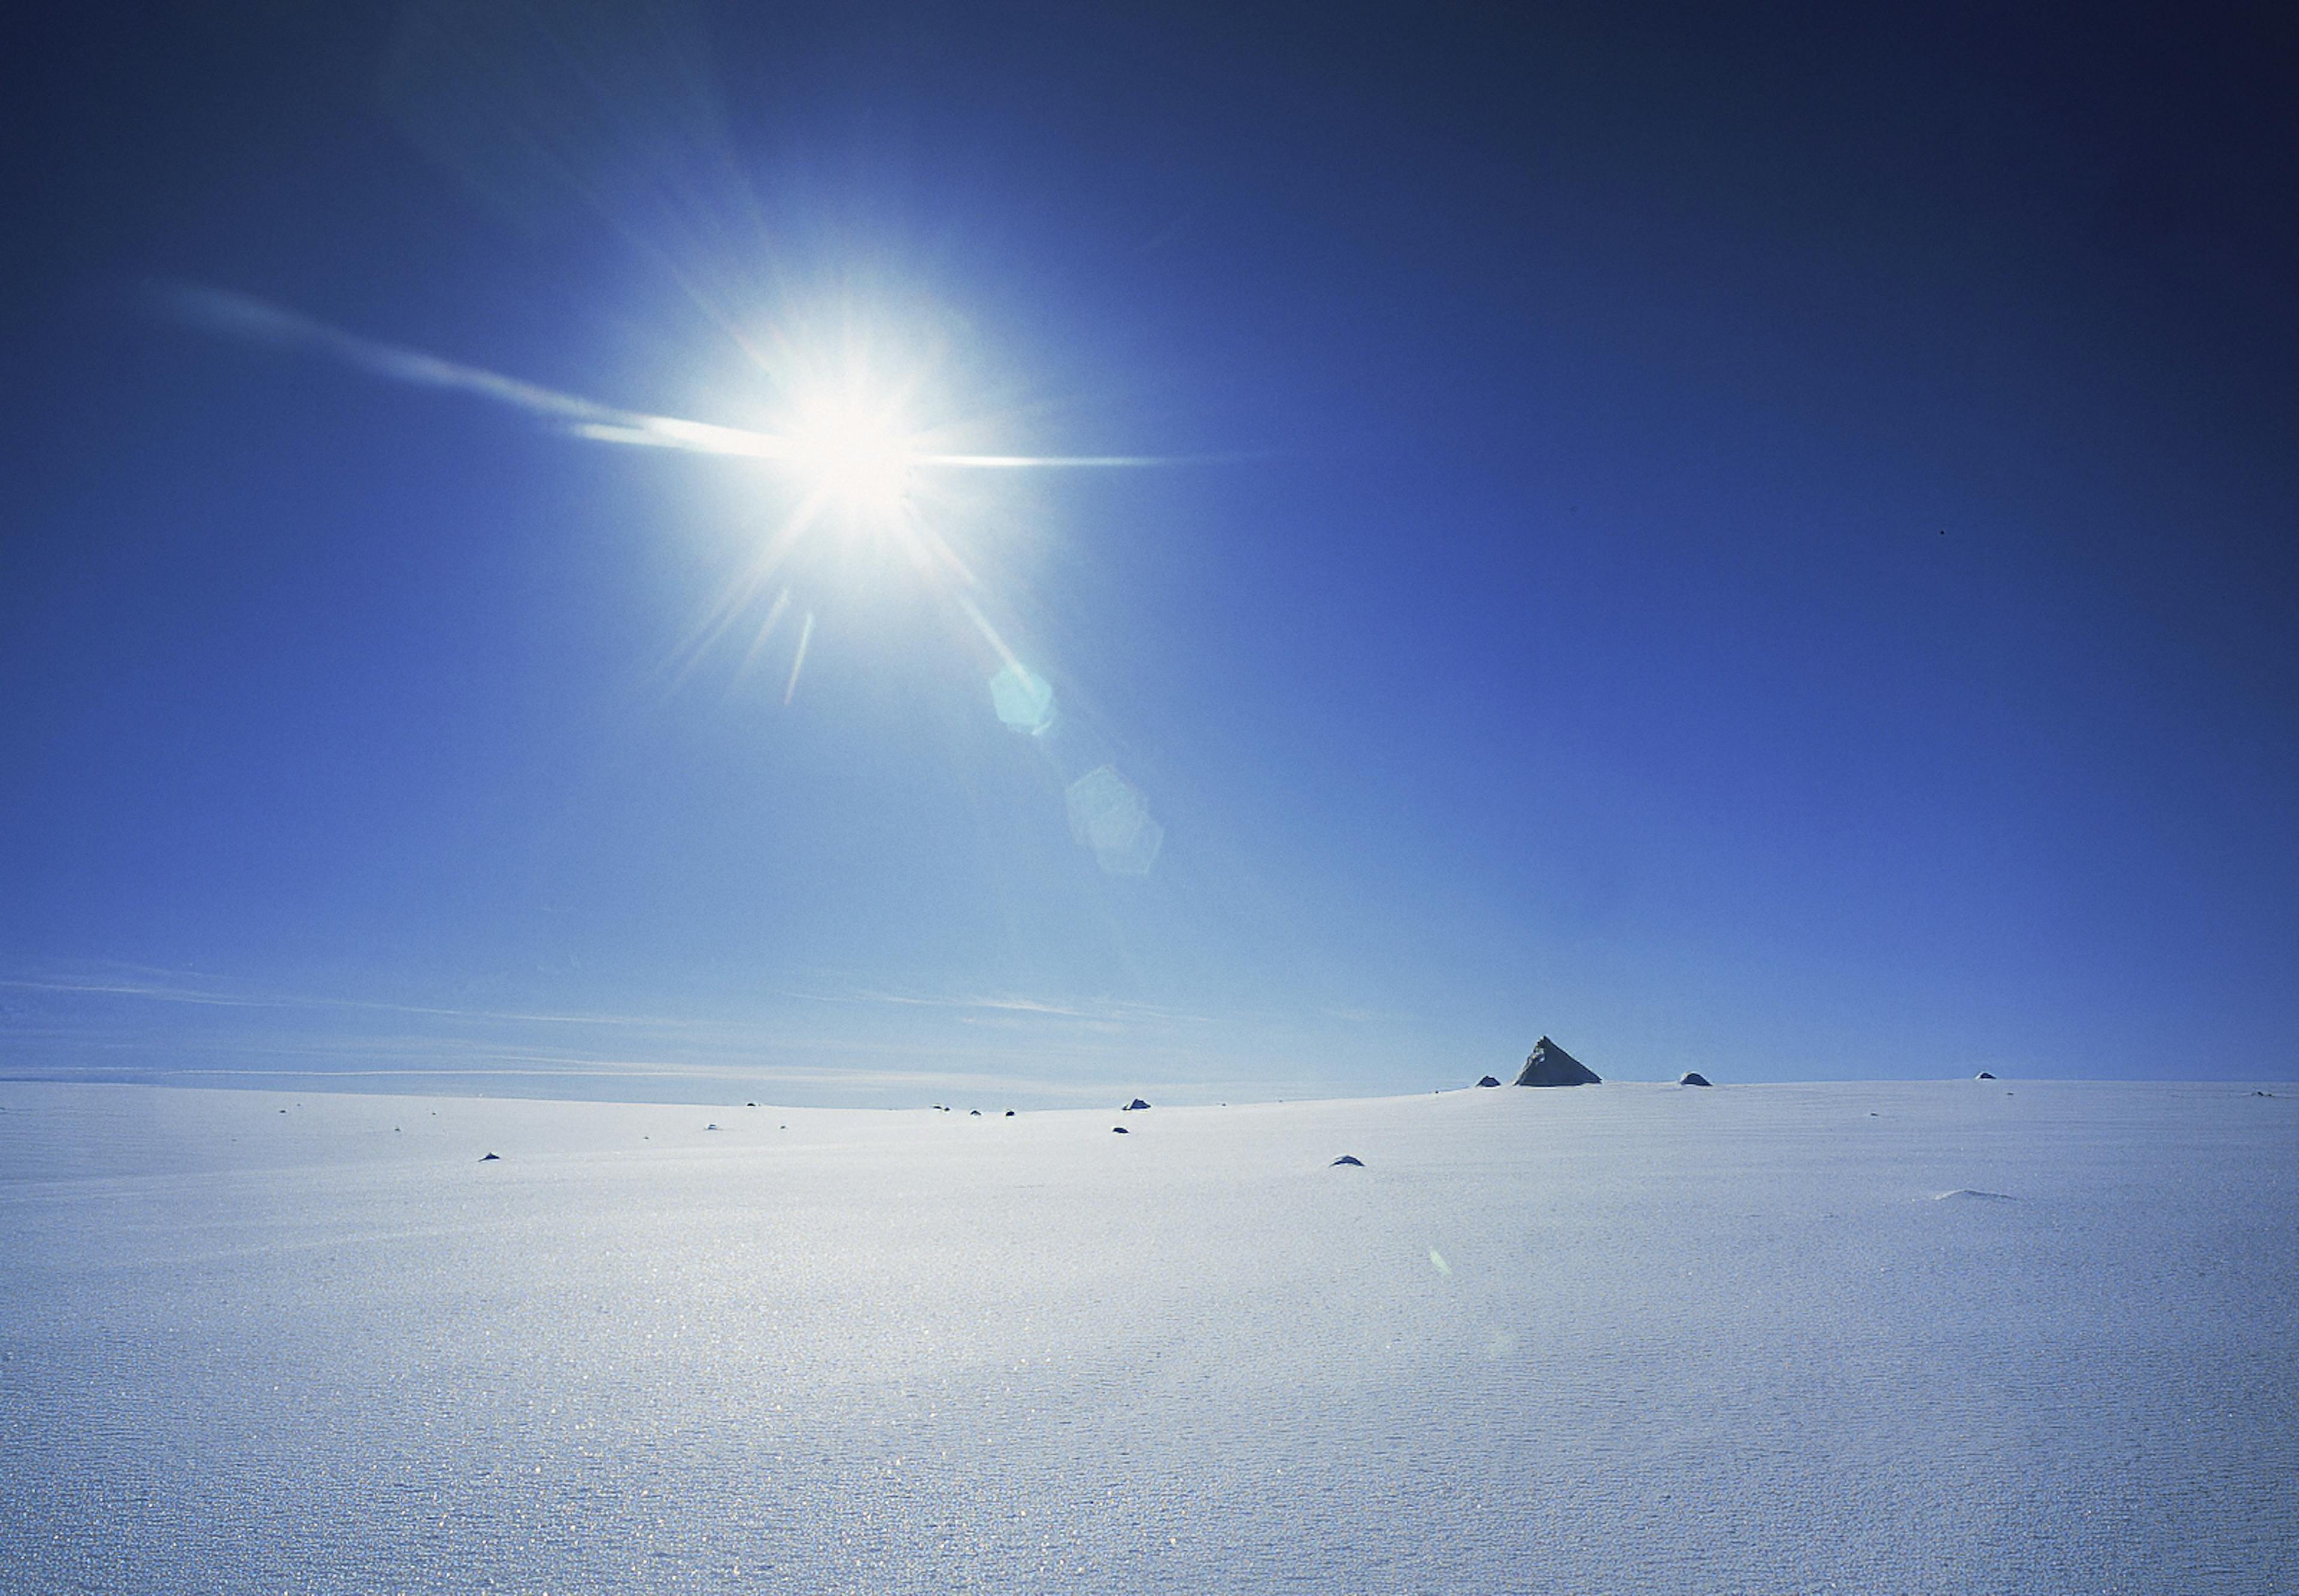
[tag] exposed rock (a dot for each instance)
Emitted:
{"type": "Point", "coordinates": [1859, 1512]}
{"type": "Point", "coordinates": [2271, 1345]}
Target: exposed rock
{"type": "Point", "coordinates": [712, 1126]}
{"type": "Point", "coordinates": [1489, 1081]}
{"type": "Point", "coordinates": [1983, 1076]}
{"type": "Point", "coordinates": [1120, 1130]}
{"type": "Point", "coordinates": [1009, 1113]}
{"type": "Point", "coordinates": [975, 1113]}
{"type": "Point", "coordinates": [1347, 1158]}
{"type": "Point", "coordinates": [1136, 1104]}
{"type": "Point", "coordinates": [491, 1158]}
{"type": "Point", "coordinates": [1693, 1077]}
{"type": "Point", "coordinates": [1550, 1065]}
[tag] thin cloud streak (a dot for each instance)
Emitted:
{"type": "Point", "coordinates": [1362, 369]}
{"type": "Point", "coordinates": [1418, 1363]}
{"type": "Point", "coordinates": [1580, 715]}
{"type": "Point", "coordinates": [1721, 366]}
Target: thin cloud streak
{"type": "Point", "coordinates": [224, 1000]}
{"type": "Point", "coordinates": [243, 316]}
{"type": "Point", "coordinates": [1107, 1012]}
{"type": "Point", "coordinates": [1104, 1040]}
{"type": "Point", "coordinates": [152, 1026]}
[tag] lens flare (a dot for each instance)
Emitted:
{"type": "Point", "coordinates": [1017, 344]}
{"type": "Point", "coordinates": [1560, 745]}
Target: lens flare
{"type": "Point", "coordinates": [1023, 701]}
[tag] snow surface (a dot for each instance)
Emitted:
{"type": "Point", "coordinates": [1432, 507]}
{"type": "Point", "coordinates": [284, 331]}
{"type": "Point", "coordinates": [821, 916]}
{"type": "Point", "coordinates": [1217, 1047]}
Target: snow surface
{"type": "Point", "coordinates": [1937, 1337]}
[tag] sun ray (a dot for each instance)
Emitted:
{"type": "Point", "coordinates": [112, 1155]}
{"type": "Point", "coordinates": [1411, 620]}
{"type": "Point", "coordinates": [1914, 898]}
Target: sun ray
{"type": "Point", "coordinates": [775, 613]}
{"type": "Point", "coordinates": [798, 659]}
{"type": "Point", "coordinates": [989, 633]}
{"type": "Point", "coordinates": [1017, 462]}
{"type": "Point", "coordinates": [939, 548]}
{"type": "Point", "coordinates": [737, 596]}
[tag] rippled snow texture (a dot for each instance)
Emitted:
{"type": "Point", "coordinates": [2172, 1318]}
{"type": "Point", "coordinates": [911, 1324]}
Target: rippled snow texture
{"type": "Point", "coordinates": [1681, 1340]}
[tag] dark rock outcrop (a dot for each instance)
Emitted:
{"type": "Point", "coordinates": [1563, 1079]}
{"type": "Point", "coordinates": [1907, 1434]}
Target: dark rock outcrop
{"type": "Point", "coordinates": [1489, 1081]}
{"type": "Point", "coordinates": [1550, 1065]}
{"type": "Point", "coordinates": [1693, 1077]}
{"type": "Point", "coordinates": [1136, 1104]}
{"type": "Point", "coordinates": [1120, 1130]}
{"type": "Point", "coordinates": [1983, 1076]}
{"type": "Point", "coordinates": [491, 1158]}
{"type": "Point", "coordinates": [1347, 1158]}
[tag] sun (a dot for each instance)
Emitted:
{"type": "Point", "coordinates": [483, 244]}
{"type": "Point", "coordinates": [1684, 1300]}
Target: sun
{"type": "Point", "coordinates": [854, 450]}
{"type": "Point", "coordinates": [842, 440]}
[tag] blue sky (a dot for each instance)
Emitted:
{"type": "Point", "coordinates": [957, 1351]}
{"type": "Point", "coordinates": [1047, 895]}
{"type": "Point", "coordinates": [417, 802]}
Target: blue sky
{"type": "Point", "coordinates": [1759, 545]}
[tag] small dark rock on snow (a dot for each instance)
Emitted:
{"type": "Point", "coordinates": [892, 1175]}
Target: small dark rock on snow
{"type": "Point", "coordinates": [1983, 1076]}
{"type": "Point", "coordinates": [1489, 1081]}
{"type": "Point", "coordinates": [1693, 1077]}
{"type": "Point", "coordinates": [491, 1158]}
{"type": "Point", "coordinates": [1120, 1130]}
{"type": "Point", "coordinates": [1136, 1104]}
{"type": "Point", "coordinates": [1347, 1158]}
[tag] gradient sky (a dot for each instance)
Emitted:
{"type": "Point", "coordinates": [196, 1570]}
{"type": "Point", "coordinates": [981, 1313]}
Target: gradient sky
{"type": "Point", "coordinates": [1755, 544]}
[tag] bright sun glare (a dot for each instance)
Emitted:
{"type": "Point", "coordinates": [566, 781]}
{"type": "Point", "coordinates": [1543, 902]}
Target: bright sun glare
{"type": "Point", "coordinates": [856, 452]}
{"type": "Point", "coordinates": [849, 449]}
{"type": "Point", "coordinates": [849, 455]}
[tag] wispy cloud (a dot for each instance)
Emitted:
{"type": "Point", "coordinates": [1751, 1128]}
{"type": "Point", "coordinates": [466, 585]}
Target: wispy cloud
{"type": "Point", "coordinates": [135, 1022]}
{"type": "Point", "coordinates": [241, 315]}
{"type": "Point", "coordinates": [159, 992]}
{"type": "Point", "coordinates": [1103, 1010]}
{"type": "Point", "coordinates": [245, 316]}
{"type": "Point", "coordinates": [1368, 1017]}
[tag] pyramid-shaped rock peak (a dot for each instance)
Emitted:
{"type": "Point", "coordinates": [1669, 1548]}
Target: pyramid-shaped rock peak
{"type": "Point", "coordinates": [1550, 1065]}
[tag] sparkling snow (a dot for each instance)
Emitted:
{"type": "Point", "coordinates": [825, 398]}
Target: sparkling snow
{"type": "Point", "coordinates": [1937, 1337]}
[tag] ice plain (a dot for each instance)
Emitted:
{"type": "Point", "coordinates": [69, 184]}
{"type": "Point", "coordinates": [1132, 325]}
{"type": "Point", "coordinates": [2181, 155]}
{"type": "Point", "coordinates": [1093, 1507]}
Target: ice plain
{"type": "Point", "coordinates": [1940, 1337]}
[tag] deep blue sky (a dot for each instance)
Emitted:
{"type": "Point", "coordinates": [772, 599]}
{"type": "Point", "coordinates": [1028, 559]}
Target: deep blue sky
{"type": "Point", "coordinates": [1758, 543]}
